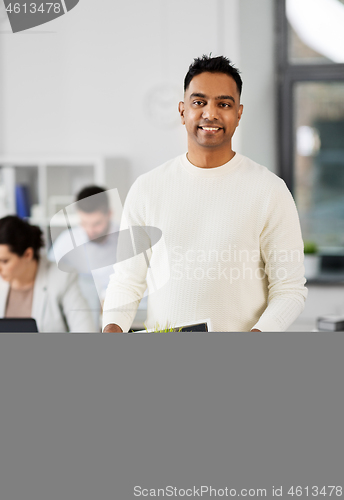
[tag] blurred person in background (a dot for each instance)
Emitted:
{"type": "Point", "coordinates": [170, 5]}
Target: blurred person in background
{"type": "Point", "coordinates": [30, 286]}
{"type": "Point", "coordinates": [97, 230]}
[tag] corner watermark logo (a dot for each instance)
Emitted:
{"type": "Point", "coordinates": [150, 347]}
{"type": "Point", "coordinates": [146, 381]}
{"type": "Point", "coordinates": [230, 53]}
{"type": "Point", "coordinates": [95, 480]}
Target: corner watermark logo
{"type": "Point", "coordinates": [26, 14]}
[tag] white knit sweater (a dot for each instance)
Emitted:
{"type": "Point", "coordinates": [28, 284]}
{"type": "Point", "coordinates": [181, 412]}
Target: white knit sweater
{"type": "Point", "coordinates": [231, 249]}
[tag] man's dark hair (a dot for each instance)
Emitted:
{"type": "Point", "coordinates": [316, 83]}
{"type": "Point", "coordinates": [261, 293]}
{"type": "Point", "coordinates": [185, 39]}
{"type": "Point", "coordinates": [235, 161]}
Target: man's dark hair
{"type": "Point", "coordinates": [86, 201]}
{"type": "Point", "coordinates": [209, 64]}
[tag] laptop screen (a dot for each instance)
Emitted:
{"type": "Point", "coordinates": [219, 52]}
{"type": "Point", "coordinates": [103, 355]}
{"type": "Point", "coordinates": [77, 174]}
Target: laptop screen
{"type": "Point", "coordinates": [18, 325]}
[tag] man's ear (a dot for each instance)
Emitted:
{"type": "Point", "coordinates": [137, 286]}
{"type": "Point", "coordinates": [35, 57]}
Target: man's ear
{"type": "Point", "coordinates": [241, 109]}
{"type": "Point", "coordinates": [181, 109]}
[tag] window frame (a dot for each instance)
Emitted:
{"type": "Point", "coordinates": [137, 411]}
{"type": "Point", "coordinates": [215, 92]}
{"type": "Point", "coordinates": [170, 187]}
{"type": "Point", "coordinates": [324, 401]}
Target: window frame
{"type": "Point", "coordinates": [287, 76]}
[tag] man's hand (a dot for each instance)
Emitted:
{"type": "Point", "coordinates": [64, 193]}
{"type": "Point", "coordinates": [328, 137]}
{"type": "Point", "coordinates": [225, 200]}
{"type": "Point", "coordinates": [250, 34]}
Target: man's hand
{"type": "Point", "coordinates": [112, 328]}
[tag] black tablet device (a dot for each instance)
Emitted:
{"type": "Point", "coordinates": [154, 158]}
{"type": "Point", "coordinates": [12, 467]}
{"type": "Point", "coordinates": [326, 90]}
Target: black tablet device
{"type": "Point", "coordinates": [203, 326]}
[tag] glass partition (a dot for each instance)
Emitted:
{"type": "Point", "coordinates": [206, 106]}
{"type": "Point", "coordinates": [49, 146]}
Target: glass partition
{"type": "Point", "coordinates": [319, 162]}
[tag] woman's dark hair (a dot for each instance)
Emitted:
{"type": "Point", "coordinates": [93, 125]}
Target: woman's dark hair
{"type": "Point", "coordinates": [20, 235]}
{"type": "Point", "coordinates": [209, 64]}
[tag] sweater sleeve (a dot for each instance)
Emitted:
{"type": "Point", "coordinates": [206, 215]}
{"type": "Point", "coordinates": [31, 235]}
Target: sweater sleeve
{"type": "Point", "coordinates": [282, 252]}
{"type": "Point", "coordinates": [128, 283]}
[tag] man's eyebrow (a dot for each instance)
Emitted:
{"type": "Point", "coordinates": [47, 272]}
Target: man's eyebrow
{"type": "Point", "coordinates": [224, 97]}
{"type": "Point", "coordinates": [197, 94]}
{"type": "Point", "coordinates": [218, 98]}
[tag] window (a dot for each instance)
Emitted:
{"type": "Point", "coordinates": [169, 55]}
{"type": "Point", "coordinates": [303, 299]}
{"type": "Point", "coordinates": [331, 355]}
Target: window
{"type": "Point", "coordinates": [310, 61]}
{"type": "Point", "coordinates": [315, 31]}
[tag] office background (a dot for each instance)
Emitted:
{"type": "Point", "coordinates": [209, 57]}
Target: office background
{"type": "Point", "coordinates": [85, 83]}
{"type": "Point", "coordinates": [95, 93]}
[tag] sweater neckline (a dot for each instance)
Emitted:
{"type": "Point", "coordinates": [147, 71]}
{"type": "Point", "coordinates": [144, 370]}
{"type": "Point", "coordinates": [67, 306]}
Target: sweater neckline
{"type": "Point", "coordinates": [211, 172]}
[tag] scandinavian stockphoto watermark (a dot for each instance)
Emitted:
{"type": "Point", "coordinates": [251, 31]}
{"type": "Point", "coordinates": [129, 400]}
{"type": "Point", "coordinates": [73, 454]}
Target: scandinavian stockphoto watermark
{"type": "Point", "coordinates": [211, 491]}
{"type": "Point", "coordinates": [26, 14]}
{"type": "Point", "coordinates": [232, 263]}
{"type": "Point", "coordinates": [141, 252]}
{"type": "Point", "coordinates": [199, 491]}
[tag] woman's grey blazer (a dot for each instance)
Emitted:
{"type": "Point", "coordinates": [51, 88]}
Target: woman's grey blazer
{"type": "Point", "coordinates": [57, 304]}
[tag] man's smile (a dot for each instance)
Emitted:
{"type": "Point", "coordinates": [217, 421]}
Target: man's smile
{"type": "Point", "coordinates": [210, 128]}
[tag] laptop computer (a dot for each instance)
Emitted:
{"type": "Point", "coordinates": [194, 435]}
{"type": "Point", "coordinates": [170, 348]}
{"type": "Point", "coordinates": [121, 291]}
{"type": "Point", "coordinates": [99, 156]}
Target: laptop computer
{"type": "Point", "coordinates": [18, 325]}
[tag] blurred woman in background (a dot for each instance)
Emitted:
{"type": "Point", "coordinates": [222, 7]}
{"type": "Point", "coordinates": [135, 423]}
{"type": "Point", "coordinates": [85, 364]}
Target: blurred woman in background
{"type": "Point", "coordinates": [30, 286]}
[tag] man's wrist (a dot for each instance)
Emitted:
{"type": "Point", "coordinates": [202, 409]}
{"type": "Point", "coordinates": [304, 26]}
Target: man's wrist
{"type": "Point", "coordinates": [112, 328]}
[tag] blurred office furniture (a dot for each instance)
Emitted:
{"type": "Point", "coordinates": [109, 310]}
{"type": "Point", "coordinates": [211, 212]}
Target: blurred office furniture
{"type": "Point", "coordinates": [331, 323]}
{"type": "Point", "coordinates": [51, 183]}
{"type": "Point", "coordinates": [324, 298]}
{"type": "Point", "coordinates": [22, 201]}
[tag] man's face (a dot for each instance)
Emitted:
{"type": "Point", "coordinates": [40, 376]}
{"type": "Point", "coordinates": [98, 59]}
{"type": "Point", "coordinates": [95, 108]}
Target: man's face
{"type": "Point", "coordinates": [211, 111]}
{"type": "Point", "coordinates": [95, 224]}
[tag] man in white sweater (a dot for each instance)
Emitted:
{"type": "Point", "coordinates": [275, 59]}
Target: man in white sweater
{"type": "Point", "coordinates": [231, 248]}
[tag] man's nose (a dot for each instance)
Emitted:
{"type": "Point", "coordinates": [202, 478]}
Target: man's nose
{"type": "Point", "coordinates": [210, 112]}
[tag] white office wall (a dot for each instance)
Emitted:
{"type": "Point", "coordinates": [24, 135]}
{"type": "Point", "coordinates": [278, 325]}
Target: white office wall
{"type": "Point", "coordinates": [80, 84]}
{"type": "Point", "coordinates": [257, 63]}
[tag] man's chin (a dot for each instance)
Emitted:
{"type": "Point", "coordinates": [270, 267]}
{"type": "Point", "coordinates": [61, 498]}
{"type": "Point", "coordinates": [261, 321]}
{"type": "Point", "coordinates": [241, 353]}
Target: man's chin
{"type": "Point", "coordinates": [211, 141]}
{"type": "Point", "coordinates": [98, 239]}
{"type": "Point", "coordinates": [211, 144]}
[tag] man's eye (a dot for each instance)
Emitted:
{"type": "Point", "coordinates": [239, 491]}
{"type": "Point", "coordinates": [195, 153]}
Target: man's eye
{"type": "Point", "coordinates": [198, 103]}
{"type": "Point", "coordinates": [225, 104]}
